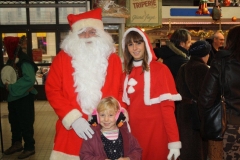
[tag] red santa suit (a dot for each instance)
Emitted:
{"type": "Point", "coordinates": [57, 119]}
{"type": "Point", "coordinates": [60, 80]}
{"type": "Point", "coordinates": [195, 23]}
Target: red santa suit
{"type": "Point", "coordinates": [62, 96]}
{"type": "Point", "coordinates": [150, 97]}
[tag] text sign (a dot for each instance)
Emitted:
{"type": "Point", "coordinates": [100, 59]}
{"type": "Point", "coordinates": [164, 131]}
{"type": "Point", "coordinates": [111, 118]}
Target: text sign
{"type": "Point", "coordinates": [144, 13]}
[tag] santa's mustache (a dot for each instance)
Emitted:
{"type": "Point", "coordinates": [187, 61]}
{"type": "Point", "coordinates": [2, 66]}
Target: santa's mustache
{"type": "Point", "coordinates": [89, 40]}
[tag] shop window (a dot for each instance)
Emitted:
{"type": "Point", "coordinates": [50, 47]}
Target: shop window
{"type": "Point", "coordinates": [43, 47]}
{"type": "Point", "coordinates": [42, 15]}
{"type": "Point", "coordinates": [13, 16]}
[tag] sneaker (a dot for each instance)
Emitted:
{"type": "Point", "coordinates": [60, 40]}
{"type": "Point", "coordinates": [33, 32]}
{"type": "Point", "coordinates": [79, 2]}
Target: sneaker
{"type": "Point", "coordinates": [26, 154]}
{"type": "Point", "coordinates": [16, 147]}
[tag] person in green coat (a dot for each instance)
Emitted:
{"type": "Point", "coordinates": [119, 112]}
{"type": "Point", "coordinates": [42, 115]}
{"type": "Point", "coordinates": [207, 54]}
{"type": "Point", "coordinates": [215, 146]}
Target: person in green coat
{"type": "Point", "coordinates": [20, 97]}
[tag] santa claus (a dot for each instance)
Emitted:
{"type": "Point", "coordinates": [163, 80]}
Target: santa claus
{"type": "Point", "coordinates": [82, 73]}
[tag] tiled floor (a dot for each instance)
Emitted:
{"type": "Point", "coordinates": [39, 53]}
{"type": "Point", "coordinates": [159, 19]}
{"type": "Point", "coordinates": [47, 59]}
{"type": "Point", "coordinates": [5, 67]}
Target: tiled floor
{"type": "Point", "coordinates": [44, 128]}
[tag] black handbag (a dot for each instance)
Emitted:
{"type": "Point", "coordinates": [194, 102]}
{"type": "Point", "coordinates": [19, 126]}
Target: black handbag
{"type": "Point", "coordinates": [214, 118]}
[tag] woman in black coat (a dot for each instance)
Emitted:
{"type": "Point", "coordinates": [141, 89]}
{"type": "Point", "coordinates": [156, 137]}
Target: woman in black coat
{"type": "Point", "coordinates": [189, 82]}
{"type": "Point", "coordinates": [211, 91]}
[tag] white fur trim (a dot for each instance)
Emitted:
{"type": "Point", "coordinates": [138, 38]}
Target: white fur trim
{"type": "Point", "coordinates": [56, 155]}
{"type": "Point", "coordinates": [137, 64]}
{"type": "Point", "coordinates": [70, 118]}
{"type": "Point", "coordinates": [147, 98]}
{"type": "Point", "coordinates": [84, 23]}
{"type": "Point", "coordinates": [167, 96]}
{"type": "Point", "coordinates": [174, 145]}
{"type": "Point", "coordinates": [147, 81]}
{"type": "Point", "coordinates": [125, 96]}
{"type": "Point", "coordinates": [144, 38]}
{"type": "Point", "coordinates": [128, 126]}
{"type": "Point", "coordinates": [125, 112]}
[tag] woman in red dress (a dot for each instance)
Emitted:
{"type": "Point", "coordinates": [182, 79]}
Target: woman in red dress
{"type": "Point", "coordinates": [149, 93]}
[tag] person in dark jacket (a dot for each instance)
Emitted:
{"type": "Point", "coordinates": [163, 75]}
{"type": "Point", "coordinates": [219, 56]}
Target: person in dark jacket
{"type": "Point", "coordinates": [189, 82]}
{"type": "Point", "coordinates": [211, 90]}
{"type": "Point", "coordinates": [20, 97]}
{"type": "Point", "coordinates": [112, 139]}
{"type": "Point", "coordinates": [217, 43]}
{"type": "Point", "coordinates": [175, 53]}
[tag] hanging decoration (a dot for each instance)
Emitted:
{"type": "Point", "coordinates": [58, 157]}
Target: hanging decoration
{"type": "Point", "coordinates": [205, 34]}
{"type": "Point", "coordinates": [236, 3]}
{"type": "Point", "coordinates": [202, 34]}
{"type": "Point", "coordinates": [111, 9]}
{"type": "Point", "coordinates": [226, 3]}
{"type": "Point", "coordinates": [203, 9]}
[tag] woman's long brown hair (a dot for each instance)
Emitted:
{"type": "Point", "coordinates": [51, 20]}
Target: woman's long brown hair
{"type": "Point", "coordinates": [233, 41]}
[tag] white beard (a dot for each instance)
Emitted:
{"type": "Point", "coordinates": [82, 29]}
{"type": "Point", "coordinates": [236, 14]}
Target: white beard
{"type": "Point", "coordinates": [90, 62]}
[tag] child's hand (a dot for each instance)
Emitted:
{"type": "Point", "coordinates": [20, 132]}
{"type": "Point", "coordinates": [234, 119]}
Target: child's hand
{"type": "Point", "coordinates": [124, 158]}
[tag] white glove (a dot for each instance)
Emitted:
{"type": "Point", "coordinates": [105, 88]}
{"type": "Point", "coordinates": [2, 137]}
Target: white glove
{"type": "Point", "coordinates": [173, 152]}
{"type": "Point", "coordinates": [82, 128]}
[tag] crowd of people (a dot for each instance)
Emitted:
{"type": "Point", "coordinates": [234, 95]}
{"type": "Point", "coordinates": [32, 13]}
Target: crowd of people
{"type": "Point", "coordinates": [143, 109]}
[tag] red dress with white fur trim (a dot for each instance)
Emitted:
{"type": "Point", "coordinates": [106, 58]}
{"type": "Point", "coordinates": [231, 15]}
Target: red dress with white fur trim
{"type": "Point", "coordinates": [154, 126]}
{"type": "Point", "coordinates": [150, 97]}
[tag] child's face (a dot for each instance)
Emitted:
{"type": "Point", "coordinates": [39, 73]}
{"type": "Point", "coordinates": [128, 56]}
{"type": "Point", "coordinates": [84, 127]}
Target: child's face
{"type": "Point", "coordinates": [107, 120]}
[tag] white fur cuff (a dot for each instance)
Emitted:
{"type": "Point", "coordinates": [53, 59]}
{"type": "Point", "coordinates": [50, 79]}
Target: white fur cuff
{"type": "Point", "coordinates": [85, 23]}
{"type": "Point", "coordinates": [70, 118]}
{"type": "Point", "coordinates": [56, 155]}
{"type": "Point", "coordinates": [175, 145]}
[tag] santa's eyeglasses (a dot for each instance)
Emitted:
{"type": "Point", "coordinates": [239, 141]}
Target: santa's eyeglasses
{"type": "Point", "coordinates": [87, 32]}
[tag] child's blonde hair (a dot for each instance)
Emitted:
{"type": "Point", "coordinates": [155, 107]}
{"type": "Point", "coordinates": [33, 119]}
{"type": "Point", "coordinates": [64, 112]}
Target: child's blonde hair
{"type": "Point", "coordinates": [108, 103]}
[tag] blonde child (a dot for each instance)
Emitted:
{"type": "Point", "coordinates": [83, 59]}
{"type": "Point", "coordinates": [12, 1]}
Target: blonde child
{"type": "Point", "coordinates": [112, 139]}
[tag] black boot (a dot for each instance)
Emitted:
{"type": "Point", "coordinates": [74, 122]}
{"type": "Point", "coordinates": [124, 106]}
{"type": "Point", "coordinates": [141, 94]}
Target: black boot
{"type": "Point", "coordinates": [26, 154]}
{"type": "Point", "coordinates": [16, 147]}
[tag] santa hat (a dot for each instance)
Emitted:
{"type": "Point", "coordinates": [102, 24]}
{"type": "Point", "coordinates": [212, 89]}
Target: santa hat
{"type": "Point", "coordinates": [91, 18]}
{"type": "Point", "coordinates": [151, 55]}
{"type": "Point", "coordinates": [10, 44]}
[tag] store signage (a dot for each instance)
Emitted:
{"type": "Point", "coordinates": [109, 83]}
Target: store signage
{"type": "Point", "coordinates": [144, 13]}
{"type": "Point", "coordinates": [186, 12]}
